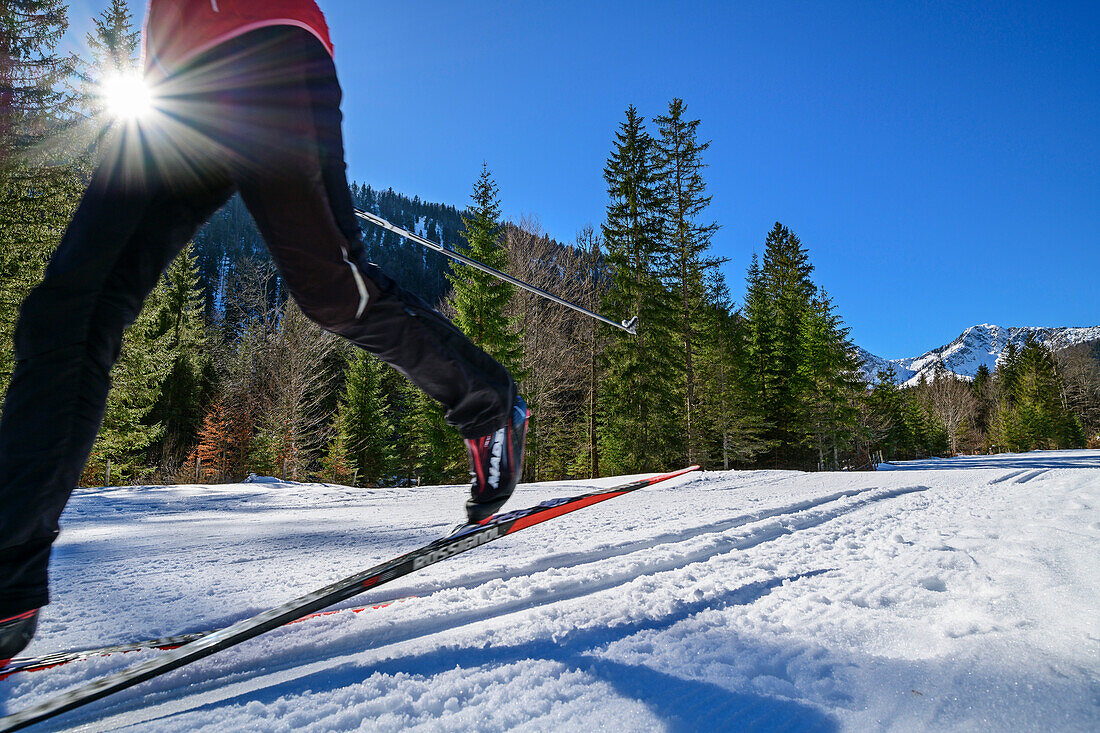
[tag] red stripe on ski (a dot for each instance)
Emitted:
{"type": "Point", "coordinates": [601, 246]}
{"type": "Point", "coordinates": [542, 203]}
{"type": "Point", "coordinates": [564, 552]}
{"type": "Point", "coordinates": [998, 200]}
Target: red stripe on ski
{"type": "Point", "coordinates": [533, 519]}
{"type": "Point", "coordinates": [19, 617]}
{"type": "Point", "coordinates": [581, 503]}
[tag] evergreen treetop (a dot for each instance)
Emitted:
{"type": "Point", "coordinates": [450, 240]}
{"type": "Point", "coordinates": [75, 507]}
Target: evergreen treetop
{"type": "Point", "coordinates": [480, 299]}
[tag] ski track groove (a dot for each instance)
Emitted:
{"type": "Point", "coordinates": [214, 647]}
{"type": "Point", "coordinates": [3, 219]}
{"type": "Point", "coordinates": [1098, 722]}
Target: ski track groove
{"type": "Point", "coordinates": [566, 560]}
{"type": "Point", "coordinates": [1008, 476]}
{"type": "Point", "coordinates": [241, 676]}
{"type": "Point", "coordinates": [1031, 475]}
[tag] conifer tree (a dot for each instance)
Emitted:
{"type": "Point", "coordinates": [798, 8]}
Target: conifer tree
{"type": "Point", "coordinates": [336, 465]}
{"type": "Point", "coordinates": [136, 382]}
{"type": "Point", "coordinates": [682, 199]}
{"type": "Point", "coordinates": [828, 370]}
{"type": "Point", "coordinates": [41, 175]}
{"type": "Point", "coordinates": [190, 381]}
{"type": "Point", "coordinates": [779, 300]}
{"type": "Point", "coordinates": [113, 51]}
{"type": "Point", "coordinates": [982, 389]}
{"type": "Point", "coordinates": [726, 415]}
{"type": "Point", "coordinates": [890, 436]}
{"type": "Point", "coordinates": [114, 42]}
{"type": "Point", "coordinates": [1031, 413]}
{"type": "Point", "coordinates": [480, 299]}
{"type": "Point", "coordinates": [364, 423]}
{"type": "Point", "coordinates": [756, 347]}
{"type": "Point", "coordinates": [641, 429]}
{"type": "Point", "coordinates": [436, 451]}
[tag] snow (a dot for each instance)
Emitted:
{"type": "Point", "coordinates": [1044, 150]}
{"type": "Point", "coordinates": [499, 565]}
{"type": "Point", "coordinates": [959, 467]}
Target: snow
{"type": "Point", "coordinates": [977, 346]}
{"type": "Point", "coordinates": [949, 594]}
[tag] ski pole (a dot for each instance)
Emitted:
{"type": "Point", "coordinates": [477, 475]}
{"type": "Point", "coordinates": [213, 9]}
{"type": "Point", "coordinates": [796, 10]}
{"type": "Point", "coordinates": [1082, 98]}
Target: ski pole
{"type": "Point", "coordinates": [630, 325]}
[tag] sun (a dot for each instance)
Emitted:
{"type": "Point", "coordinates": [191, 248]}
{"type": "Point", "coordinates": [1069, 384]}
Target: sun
{"type": "Point", "coordinates": [127, 96]}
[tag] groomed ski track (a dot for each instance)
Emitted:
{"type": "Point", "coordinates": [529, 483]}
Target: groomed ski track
{"type": "Point", "coordinates": [955, 594]}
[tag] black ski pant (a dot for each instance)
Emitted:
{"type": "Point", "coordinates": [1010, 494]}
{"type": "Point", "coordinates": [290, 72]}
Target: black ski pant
{"type": "Point", "coordinates": [259, 114]}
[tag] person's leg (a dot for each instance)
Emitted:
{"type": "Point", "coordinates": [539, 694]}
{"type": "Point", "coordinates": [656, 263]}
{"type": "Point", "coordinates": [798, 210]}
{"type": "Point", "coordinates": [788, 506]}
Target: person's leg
{"type": "Point", "coordinates": [300, 200]}
{"type": "Point", "coordinates": [126, 230]}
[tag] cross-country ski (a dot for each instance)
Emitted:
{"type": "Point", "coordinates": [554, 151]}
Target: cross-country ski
{"type": "Point", "coordinates": [49, 661]}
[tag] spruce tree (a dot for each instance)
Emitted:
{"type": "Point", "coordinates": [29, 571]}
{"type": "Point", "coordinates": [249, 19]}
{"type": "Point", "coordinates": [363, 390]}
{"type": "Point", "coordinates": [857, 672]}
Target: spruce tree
{"type": "Point", "coordinates": [789, 291]}
{"type": "Point", "coordinates": [113, 52]}
{"type": "Point", "coordinates": [480, 299]}
{"type": "Point", "coordinates": [756, 347]}
{"type": "Point", "coordinates": [190, 382]}
{"type": "Point", "coordinates": [114, 42]}
{"type": "Point", "coordinates": [41, 174]}
{"type": "Point", "coordinates": [1031, 413]}
{"type": "Point", "coordinates": [682, 199]}
{"type": "Point", "coordinates": [436, 451]}
{"type": "Point", "coordinates": [890, 436]}
{"type": "Point", "coordinates": [364, 423]}
{"type": "Point", "coordinates": [828, 370]}
{"type": "Point", "coordinates": [642, 430]}
{"type": "Point", "coordinates": [982, 389]}
{"type": "Point", "coordinates": [136, 381]}
{"type": "Point", "coordinates": [730, 427]}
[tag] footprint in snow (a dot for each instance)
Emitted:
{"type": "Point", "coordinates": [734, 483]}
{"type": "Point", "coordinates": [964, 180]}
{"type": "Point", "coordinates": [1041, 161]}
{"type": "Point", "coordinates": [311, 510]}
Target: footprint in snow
{"type": "Point", "coordinates": [933, 583]}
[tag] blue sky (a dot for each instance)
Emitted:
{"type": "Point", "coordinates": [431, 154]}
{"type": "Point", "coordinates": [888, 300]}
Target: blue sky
{"type": "Point", "coordinates": [941, 161]}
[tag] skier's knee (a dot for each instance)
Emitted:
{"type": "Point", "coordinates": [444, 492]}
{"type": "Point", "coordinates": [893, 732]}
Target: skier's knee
{"type": "Point", "coordinates": [341, 307]}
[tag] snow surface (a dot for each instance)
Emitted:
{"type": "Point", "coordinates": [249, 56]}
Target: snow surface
{"type": "Point", "coordinates": [954, 594]}
{"type": "Point", "coordinates": [977, 346]}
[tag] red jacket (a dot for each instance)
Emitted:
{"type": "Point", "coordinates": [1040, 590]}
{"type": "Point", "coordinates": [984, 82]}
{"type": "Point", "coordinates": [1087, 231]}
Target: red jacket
{"type": "Point", "coordinates": [176, 30]}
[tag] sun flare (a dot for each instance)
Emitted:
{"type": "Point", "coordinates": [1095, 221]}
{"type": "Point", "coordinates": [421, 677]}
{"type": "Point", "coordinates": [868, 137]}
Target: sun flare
{"type": "Point", "coordinates": [127, 96]}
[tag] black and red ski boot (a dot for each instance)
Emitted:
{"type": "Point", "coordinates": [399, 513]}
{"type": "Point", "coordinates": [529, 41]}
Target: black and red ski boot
{"type": "Point", "coordinates": [496, 464]}
{"type": "Point", "coordinates": [15, 633]}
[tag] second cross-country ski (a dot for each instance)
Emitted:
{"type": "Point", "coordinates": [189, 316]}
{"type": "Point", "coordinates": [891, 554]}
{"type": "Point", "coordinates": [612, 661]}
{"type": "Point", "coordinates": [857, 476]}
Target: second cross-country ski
{"type": "Point", "coordinates": [163, 643]}
{"type": "Point", "coordinates": [495, 527]}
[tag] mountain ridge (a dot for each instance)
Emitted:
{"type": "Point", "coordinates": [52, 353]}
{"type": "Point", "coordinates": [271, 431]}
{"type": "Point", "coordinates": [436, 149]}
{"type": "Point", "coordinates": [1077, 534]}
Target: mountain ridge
{"type": "Point", "coordinates": [982, 344]}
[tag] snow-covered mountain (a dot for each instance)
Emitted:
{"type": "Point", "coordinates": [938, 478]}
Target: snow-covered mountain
{"type": "Point", "coordinates": [977, 345]}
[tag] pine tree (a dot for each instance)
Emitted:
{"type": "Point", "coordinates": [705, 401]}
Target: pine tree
{"type": "Point", "coordinates": [682, 200]}
{"type": "Point", "coordinates": [641, 430]}
{"type": "Point", "coordinates": [114, 42]}
{"type": "Point", "coordinates": [436, 451]}
{"type": "Point", "coordinates": [41, 175]}
{"type": "Point", "coordinates": [726, 413]}
{"type": "Point", "coordinates": [364, 423]}
{"type": "Point", "coordinates": [779, 300]}
{"type": "Point", "coordinates": [190, 382]}
{"type": "Point", "coordinates": [480, 299]}
{"type": "Point", "coordinates": [828, 370]}
{"type": "Point", "coordinates": [136, 383]}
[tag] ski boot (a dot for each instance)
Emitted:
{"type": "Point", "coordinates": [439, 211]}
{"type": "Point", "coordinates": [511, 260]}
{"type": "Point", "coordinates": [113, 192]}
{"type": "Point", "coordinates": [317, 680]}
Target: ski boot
{"type": "Point", "coordinates": [496, 464]}
{"type": "Point", "coordinates": [15, 633]}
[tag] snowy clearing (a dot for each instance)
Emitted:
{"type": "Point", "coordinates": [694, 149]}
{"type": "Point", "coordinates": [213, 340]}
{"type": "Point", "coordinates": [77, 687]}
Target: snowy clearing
{"type": "Point", "coordinates": [956, 594]}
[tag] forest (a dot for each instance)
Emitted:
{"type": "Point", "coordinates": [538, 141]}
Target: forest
{"type": "Point", "coordinates": [222, 375]}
